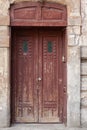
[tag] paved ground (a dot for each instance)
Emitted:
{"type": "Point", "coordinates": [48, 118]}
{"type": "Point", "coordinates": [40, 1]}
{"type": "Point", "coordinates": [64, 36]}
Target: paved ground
{"type": "Point", "coordinates": [40, 127]}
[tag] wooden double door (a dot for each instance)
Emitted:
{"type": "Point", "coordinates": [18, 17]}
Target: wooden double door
{"type": "Point", "coordinates": [38, 75]}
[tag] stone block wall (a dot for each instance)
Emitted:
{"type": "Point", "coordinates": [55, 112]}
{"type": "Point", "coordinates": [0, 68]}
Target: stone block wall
{"type": "Point", "coordinates": [83, 52]}
{"type": "Point", "coordinates": [84, 86]}
{"type": "Point", "coordinates": [76, 61]}
{"type": "Point", "coordinates": [4, 87]}
{"type": "Point", "coordinates": [4, 64]}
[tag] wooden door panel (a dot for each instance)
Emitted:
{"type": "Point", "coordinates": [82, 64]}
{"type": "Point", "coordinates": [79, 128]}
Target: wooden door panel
{"type": "Point", "coordinates": [25, 74]}
{"type": "Point", "coordinates": [49, 88]}
{"type": "Point", "coordinates": [37, 76]}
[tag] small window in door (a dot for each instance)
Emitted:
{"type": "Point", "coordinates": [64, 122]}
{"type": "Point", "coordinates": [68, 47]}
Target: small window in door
{"type": "Point", "coordinates": [25, 46]}
{"type": "Point", "coordinates": [50, 46]}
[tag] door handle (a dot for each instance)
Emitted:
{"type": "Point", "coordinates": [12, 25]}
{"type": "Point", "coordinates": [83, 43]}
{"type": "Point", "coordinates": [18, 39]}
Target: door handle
{"type": "Point", "coordinates": [39, 79]}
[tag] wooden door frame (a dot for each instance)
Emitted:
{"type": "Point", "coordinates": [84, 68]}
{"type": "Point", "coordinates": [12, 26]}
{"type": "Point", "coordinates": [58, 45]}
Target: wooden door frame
{"type": "Point", "coordinates": [41, 21]}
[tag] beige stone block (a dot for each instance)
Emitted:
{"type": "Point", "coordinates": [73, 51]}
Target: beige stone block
{"type": "Point", "coordinates": [4, 20]}
{"type": "Point", "coordinates": [4, 12]}
{"type": "Point", "coordinates": [84, 117]}
{"type": "Point", "coordinates": [84, 99]}
{"type": "Point", "coordinates": [4, 41]}
{"type": "Point", "coordinates": [4, 31]}
{"type": "Point", "coordinates": [73, 40]}
{"type": "Point", "coordinates": [4, 69]}
{"type": "Point", "coordinates": [84, 20]}
{"type": "Point", "coordinates": [84, 8]}
{"type": "Point", "coordinates": [74, 5]}
{"type": "Point", "coordinates": [73, 86]}
{"type": "Point", "coordinates": [4, 88]}
{"type": "Point", "coordinates": [84, 94]}
{"type": "Point", "coordinates": [84, 68]}
{"type": "Point", "coordinates": [84, 83]}
{"type": "Point", "coordinates": [74, 21]}
{"type": "Point", "coordinates": [4, 7]}
{"type": "Point", "coordinates": [83, 52]}
{"type": "Point", "coordinates": [84, 25]}
{"type": "Point", "coordinates": [83, 40]}
{"type": "Point", "coordinates": [73, 30]}
{"type": "Point", "coordinates": [84, 29]}
{"type": "Point", "coordinates": [74, 17]}
{"type": "Point", "coordinates": [84, 102]}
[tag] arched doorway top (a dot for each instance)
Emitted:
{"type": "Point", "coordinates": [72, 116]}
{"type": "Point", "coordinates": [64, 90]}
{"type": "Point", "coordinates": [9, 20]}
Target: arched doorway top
{"type": "Point", "coordinates": [38, 14]}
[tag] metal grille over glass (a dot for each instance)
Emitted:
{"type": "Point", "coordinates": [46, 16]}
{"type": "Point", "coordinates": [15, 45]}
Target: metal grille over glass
{"type": "Point", "coordinates": [25, 46]}
{"type": "Point", "coordinates": [50, 46]}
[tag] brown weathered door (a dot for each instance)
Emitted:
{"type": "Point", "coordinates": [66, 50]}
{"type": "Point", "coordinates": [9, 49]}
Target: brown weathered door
{"type": "Point", "coordinates": [24, 76]}
{"type": "Point", "coordinates": [50, 72]}
{"type": "Point", "coordinates": [37, 76]}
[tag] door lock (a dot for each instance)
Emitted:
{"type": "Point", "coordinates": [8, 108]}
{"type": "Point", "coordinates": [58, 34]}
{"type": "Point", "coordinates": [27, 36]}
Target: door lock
{"type": "Point", "coordinates": [39, 79]}
{"type": "Point", "coordinates": [63, 59]}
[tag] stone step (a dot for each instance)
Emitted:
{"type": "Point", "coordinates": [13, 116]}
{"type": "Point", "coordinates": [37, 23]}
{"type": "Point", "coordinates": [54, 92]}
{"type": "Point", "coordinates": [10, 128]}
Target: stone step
{"type": "Point", "coordinates": [40, 127]}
